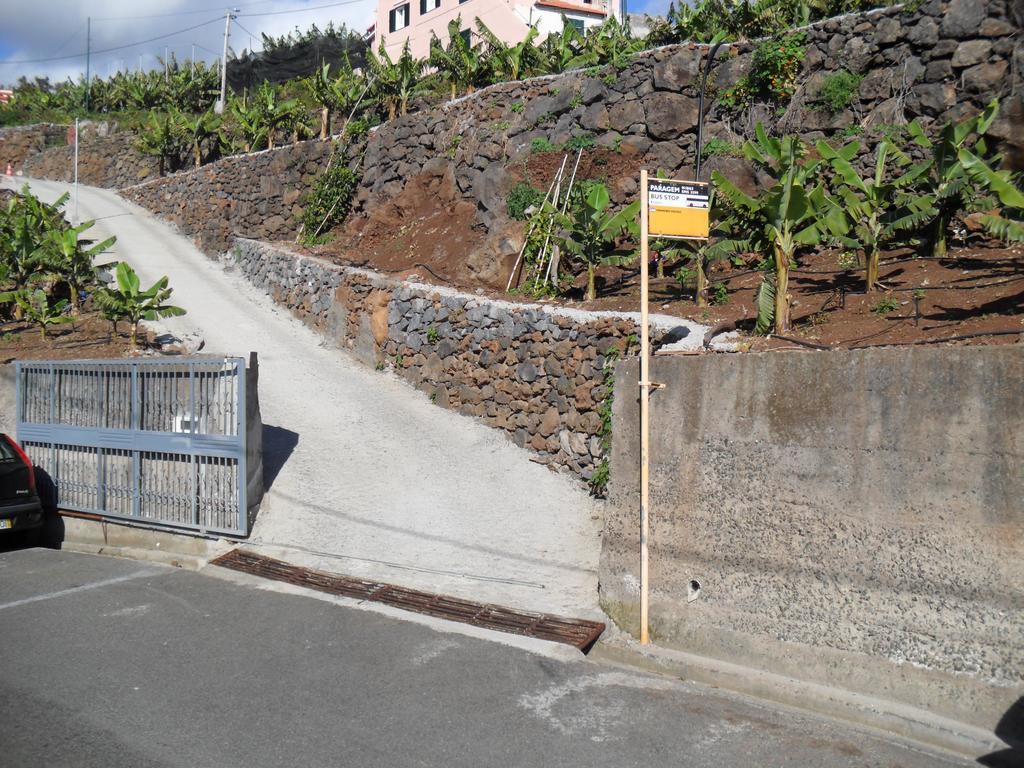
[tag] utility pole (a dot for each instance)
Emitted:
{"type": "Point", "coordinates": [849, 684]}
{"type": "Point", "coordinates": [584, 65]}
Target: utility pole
{"type": "Point", "coordinates": [167, 72]}
{"type": "Point", "coordinates": [88, 42]}
{"type": "Point", "coordinates": [193, 61]}
{"type": "Point", "coordinates": [219, 106]}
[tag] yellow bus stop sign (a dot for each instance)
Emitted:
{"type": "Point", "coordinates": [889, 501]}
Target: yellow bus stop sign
{"type": "Point", "coordinates": [678, 208]}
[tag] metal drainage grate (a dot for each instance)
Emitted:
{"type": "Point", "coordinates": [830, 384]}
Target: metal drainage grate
{"type": "Point", "coordinates": [579, 633]}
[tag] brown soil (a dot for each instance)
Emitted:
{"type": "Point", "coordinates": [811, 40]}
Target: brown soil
{"type": "Point", "coordinates": [423, 232]}
{"type": "Point", "coordinates": [89, 337]}
{"type": "Point", "coordinates": [978, 291]}
{"type": "Point", "coordinates": [973, 291]}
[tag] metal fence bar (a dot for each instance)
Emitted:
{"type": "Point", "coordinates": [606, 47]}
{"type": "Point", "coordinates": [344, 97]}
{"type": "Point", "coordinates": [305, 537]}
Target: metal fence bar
{"type": "Point", "coordinates": [162, 441]}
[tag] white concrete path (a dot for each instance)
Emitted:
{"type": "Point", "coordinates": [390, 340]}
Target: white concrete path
{"type": "Point", "coordinates": [380, 483]}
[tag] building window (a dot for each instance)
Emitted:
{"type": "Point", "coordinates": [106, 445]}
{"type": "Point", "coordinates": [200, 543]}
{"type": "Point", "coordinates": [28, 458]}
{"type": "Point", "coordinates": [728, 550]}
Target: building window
{"type": "Point", "coordinates": [398, 18]}
{"type": "Point", "coordinates": [463, 1]}
{"type": "Point", "coordinates": [467, 36]}
{"type": "Point", "coordinates": [429, 5]}
{"type": "Point", "coordinates": [576, 24]}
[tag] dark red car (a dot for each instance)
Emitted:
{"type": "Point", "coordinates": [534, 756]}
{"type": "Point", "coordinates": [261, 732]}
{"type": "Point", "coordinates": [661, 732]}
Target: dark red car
{"type": "Point", "coordinates": [20, 508]}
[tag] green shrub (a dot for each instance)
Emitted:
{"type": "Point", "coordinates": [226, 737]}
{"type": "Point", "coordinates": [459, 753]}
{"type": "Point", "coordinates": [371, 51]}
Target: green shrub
{"type": "Point", "coordinates": [715, 147]}
{"type": "Point", "coordinates": [520, 198]}
{"type": "Point", "coordinates": [542, 145]}
{"type": "Point", "coordinates": [329, 202]}
{"type": "Point", "coordinates": [583, 141]}
{"type": "Point", "coordinates": [838, 91]}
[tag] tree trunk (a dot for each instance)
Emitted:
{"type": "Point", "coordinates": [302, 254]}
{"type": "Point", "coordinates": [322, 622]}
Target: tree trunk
{"type": "Point", "coordinates": [591, 283]}
{"type": "Point", "coordinates": [160, 165]}
{"type": "Point", "coordinates": [325, 123]}
{"type": "Point", "coordinates": [781, 291]}
{"type": "Point", "coordinates": [939, 249]}
{"type": "Point", "coordinates": [555, 260]}
{"type": "Point", "coordinates": [872, 273]}
{"type": "Point", "coordinates": [270, 138]}
{"type": "Point", "coordinates": [660, 269]}
{"type": "Point", "coordinates": [454, 92]}
{"type": "Point", "coordinates": [392, 109]}
{"type": "Point", "coordinates": [702, 283]}
{"type": "Point", "coordinates": [74, 298]}
{"type": "Point", "coordinates": [197, 153]}
{"type": "Point", "coordinates": [135, 333]}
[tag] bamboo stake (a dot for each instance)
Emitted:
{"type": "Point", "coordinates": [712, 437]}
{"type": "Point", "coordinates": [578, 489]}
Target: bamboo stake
{"type": "Point", "coordinates": [645, 415]}
{"type": "Point", "coordinates": [547, 239]}
{"type": "Point", "coordinates": [529, 232]}
{"type": "Point", "coordinates": [553, 264]}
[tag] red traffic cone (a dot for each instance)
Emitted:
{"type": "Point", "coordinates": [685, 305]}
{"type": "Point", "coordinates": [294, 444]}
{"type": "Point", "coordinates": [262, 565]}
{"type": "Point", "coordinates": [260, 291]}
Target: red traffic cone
{"type": "Point", "coordinates": [10, 170]}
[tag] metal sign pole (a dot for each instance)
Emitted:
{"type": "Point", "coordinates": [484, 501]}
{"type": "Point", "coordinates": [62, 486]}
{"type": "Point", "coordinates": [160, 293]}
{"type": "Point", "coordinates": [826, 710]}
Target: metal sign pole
{"type": "Point", "coordinates": [76, 173]}
{"type": "Point", "coordinates": [645, 414]}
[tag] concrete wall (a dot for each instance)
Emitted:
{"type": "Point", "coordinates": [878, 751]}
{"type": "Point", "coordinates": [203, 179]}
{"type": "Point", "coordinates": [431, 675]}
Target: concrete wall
{"type": "Point", "coordinates": [853, 518]}
{"type": "Point", "coordinates": [537, 372]}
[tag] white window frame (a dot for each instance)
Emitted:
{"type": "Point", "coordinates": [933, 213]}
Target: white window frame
{"type": "Point", "coordinates": [393, 17]}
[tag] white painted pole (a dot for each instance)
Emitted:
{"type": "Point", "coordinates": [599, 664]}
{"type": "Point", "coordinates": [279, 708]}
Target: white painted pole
{"type": "Point", "coordinates": [645, 416]}
{"type": "Point", "coordinates": [76, 173]}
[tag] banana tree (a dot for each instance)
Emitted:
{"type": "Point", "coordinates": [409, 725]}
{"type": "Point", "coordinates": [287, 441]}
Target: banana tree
{"type": "Point", "coordinates": [878, 208]}
{"type": "Point", "coordinates": [70, 258]}
{"type": "Point", "coordinates": [161, 139]}
{"type": "Point", "coordinates": [510, 62]}
{"type": "Point", "coordinates": [249, 122]}
{"type": "Point", "coordinates": [948, 181]}
{"type": "Point", "coordinates": [36, 308]}
{"type": "Point", "coordinates": [273, 114]}
{"type": "Point", "coordinates": [203, 128]}
{"type": "Point", "coordinates": [319, 86]}
{"type": "Point", "coordinates": [395, 82]}
{"type": "Point", "coordinates": [564, 51]}
{"type": "Point", "coordinates": [591, 231]}
{"type": "Point", "coordinates": [783, 217]}
{"type": "Point", "coordinates": [127, 301]}
{"type": "Point", "coordinates": [460, 62]}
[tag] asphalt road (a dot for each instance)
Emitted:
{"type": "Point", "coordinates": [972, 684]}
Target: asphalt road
{"type": "Point", "coordinates": [113, 663]}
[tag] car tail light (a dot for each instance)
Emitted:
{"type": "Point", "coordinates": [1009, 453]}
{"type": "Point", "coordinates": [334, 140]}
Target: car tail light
{"type": "Point", "coordinates": [25, 460]}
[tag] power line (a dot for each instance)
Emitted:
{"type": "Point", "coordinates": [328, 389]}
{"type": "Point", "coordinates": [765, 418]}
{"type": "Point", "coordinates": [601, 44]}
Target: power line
{"type": "Point", "coordinates": [250, 34]}
{"type": "Point", "coordinates": [173, 13]}
{"type": "Point", "coordinates": [115, 48]}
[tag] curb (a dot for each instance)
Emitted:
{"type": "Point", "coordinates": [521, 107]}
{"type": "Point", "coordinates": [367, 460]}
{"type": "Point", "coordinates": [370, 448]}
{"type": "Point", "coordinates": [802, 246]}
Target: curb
{"type": "Point", "coordinates": [886, 718]}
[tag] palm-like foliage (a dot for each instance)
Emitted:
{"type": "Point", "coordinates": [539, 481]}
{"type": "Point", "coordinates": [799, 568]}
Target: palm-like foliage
{"type": "Point", "coordinates": [613, 43]}
{"type": "Point", "coordinates": [959, 174]}
{"type": "Point", "coordinates": [566, 50]}
{"type": "Point", "coordinates": [878, 207]}
{"type": "Point", "coordinates": [591, 230]}
{"type": "Point", "coordinates": [201, 130]}
{"type": "Point", "coordinates": [395, 82]}
{"type": "Point", "coordinates": [783, 217]}
{"type": "Point", "coordinates": [71, 258]}
{"type": "Point", "coordinates": [510, 62]}
{"type": "Point", "coordinates": [460, 63]}
{"type": "Point", "coordinates": [319, 85]}
{"type": "Point", "coordinates": [36, 307]}
{"type": "Point", "coordinates": [162, 140]}
{"type": "Point", "coordinates": [127, 300]}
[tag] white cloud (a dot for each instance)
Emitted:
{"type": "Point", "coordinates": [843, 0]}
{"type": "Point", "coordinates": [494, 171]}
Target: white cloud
{"type": "Point", "coordinates": [48, 28]}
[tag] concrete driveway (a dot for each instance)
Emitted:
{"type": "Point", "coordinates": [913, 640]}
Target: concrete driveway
{"type": "Point", "coordinates": [369, 478]}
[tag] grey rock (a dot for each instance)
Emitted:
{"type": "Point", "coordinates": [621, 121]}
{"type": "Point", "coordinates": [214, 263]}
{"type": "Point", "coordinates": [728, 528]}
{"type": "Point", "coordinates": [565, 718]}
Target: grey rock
{"type": "Point", "coordinates": [984, 78]}
{"type": "Point", "coordinates": [669, 115]}
{"type": "Point", "coordinates": [963, 17]}
{"type": "Point", "coordinates": [625, 114]}
{"type": "Point", "coordinates": [526, 372]}
{"type": "Point", "coordinates": [924, 33]}
{"type": "Point", "coordinates": [595, 118]}
{"type": "Point", "coordinates": [677, 72]}
{"type": "Point", "coordinates": [971, 52]}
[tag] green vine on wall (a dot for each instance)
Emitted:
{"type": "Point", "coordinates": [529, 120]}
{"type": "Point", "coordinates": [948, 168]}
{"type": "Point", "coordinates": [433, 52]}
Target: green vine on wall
{"type": "Point", "coordinates": [602, 474]}
{"type": "Point", "coordinates": [774, 68]}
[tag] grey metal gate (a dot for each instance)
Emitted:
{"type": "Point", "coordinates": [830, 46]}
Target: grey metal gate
{"type": "Point", "coordinates": [160, 442]}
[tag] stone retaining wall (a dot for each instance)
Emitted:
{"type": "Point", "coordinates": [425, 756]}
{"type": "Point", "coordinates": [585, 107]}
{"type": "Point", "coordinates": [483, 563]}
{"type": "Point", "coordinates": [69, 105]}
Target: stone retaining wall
{"type": "Point", "coordinates": [103, 161]}
{"type": "Point", "coordinates": [18, 143]}
{"type": "Point", "coordinates": [256, 195]}
{"type": "Point", "coordinates": [537, 372]}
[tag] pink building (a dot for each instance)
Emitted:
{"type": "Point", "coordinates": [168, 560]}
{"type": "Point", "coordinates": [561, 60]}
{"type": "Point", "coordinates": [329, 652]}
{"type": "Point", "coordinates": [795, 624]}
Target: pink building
{"type": "Point", "coordinates": [416, 20]}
